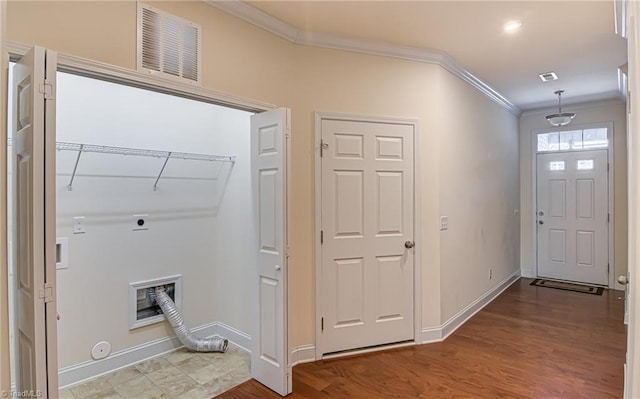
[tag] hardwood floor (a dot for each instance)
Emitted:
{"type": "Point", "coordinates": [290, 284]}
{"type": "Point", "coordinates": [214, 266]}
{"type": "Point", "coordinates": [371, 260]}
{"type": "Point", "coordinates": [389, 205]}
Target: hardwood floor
{"type": "Point", "coordinates": [531, 342]}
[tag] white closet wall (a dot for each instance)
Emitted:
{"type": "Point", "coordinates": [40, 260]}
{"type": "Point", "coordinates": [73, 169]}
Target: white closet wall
{"type": "Point", "coordinates": [199, 216]}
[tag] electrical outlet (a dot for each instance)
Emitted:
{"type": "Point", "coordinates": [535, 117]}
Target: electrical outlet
{"type": "Point", "coordinates": [490, 274]}
{"type": "Point", "coordinates": [79, 226]}
{"type": "Point", "coordinates": [140, 222]}
{"type": "Point", "coordinates": [444, 222]}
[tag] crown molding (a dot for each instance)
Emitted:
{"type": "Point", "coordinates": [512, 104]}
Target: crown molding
{"type": "Point", "coordinates": [259, 18]}
{"type": "Point", "coordinates": [256, 17]}
{"type": "Point", "coordinates": [573, 107]}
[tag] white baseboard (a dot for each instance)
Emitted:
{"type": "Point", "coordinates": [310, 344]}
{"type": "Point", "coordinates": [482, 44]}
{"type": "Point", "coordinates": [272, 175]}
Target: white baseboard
{"type": "Point", "coordinates": [78, 373]}
{"type": "Point", "coordinates": [237, 337]}
{"type": "Point", "coordinates": [528, 273]}
{"type": "Point", "coordinates": [306, 353]}
{"type": "Point", "coordinates": [430, 335]}
{"type": "Point", "coordinates": [439, 334]}
{"type": "Point", "coordinates": [303, 354]}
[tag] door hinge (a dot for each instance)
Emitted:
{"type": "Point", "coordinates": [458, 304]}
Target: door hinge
{"type": "Point", "coordinates": [608, 217]}
{"type": "Point", "coordinates": [608, 267]}
{"type": "Point", "coordinates": [321, 236]}
{"type": "Point", "coordinates": [323, 146]}
{"type": "Point", "coordinates": [322, 324]}
{"type": "Point", "coordinates": [46, 292]}
{"type": "Point", "coordinates": [608, 165]}
{"type": "Point", "coordinates": [46, 89]}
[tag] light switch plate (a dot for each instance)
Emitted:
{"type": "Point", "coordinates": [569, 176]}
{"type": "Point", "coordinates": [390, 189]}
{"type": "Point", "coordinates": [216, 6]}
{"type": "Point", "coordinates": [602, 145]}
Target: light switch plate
{"type": "Point", "coordinates": [444, 222]}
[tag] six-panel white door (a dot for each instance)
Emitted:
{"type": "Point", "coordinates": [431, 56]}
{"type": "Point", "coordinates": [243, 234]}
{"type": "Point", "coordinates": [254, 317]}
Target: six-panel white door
{"type": "Point", "coordinates": [34, 157]}
{"type": "Point", "coordinates": [572, 216]}
{"type": "Point", "coordinates": [270, 132]}
{"type": "Point", "coordinates": [367, 219]}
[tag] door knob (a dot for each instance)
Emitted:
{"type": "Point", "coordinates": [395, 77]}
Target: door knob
{"type": "Point", "coordinates": [540, 221]}
{"type": "Point", "coordinates": [623, 280]}
{"type": "Point", "coordinates": [409, 244]}
{"type": "Point", "coordinates": [278, 267]}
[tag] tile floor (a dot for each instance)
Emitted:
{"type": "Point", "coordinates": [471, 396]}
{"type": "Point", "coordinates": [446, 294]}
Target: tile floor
{"type": "Point", "coordinates": [180, 374]}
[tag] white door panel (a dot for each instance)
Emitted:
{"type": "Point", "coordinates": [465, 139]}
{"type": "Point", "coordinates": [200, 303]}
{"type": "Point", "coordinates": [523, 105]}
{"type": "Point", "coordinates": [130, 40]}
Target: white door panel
{"type": "Point", "coordinates": [34, 180]}
{"type": "Point", "coordinates": [269, 360]}
{"type": "Point", "coordinates": [367, 215]}
{"type": "Point", "coordinates": [632, 300]}
{"type": "Point", "coordinates": [572, 202]}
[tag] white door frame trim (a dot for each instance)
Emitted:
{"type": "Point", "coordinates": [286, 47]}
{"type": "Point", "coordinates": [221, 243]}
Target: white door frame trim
{"type": "Point", "coordinates": [534, 191]}
{"type": "Point", "coordinates": [417, 262]}
{"type": "Point", "coordinates": [116, 74]}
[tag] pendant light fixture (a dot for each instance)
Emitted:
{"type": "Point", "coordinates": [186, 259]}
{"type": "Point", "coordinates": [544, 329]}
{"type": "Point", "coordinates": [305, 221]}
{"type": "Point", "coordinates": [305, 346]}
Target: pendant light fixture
{"type": "Point", "coordinates": [561, 118]}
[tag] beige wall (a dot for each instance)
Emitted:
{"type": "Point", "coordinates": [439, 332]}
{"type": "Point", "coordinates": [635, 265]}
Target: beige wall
{"type": "Point", "coordinates": [609, 111]}
{"type": "Point", "coordinates": [338, 81]}
{"type": "Point", "coordinates": [236, 58]}
{"type": "Point", "coordinates": [478, 180]}
{"type": "Point", "coordinates": [246, 61]}
{"type": "Point", "coordinates": [5, 376]}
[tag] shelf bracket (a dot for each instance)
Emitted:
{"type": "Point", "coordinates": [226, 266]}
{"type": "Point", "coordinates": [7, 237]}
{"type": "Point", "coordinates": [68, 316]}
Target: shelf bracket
{"type": "Point", "coordinates": [75, 168]}
{"type": "Point", "coordinates": [164, 165]}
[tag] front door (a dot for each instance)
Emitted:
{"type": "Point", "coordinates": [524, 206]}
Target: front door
{"type": "Point", "coordinates": [34, 155]}
{"type": "Point", "coordinates": [367, 234]}
{"type": "Point", "coordinates": [572, 216]}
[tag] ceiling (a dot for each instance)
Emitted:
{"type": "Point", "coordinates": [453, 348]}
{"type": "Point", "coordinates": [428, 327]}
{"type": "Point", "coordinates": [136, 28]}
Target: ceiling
{"type": "Point", "coordinates": [575, 39]}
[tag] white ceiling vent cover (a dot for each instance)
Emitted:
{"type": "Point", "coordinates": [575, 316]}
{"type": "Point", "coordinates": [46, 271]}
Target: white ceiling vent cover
{"type": "Point", "coordinates": [548, 76]}
{"type": "Point", "coordinates": [168, 46]}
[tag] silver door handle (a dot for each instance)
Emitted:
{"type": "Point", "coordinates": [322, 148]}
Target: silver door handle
{"type": "Point", "coordinates": [278, 267]}
{"type": "Point", "coordinates": [409, 244]}
{"type": "Point", "coordinates": [623, 280]}
{"type": "Point", "coordinates": [540, 221]}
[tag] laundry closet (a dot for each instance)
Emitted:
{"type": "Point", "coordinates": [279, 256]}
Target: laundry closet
{"type": "Point", "coordinates": [154, 189]}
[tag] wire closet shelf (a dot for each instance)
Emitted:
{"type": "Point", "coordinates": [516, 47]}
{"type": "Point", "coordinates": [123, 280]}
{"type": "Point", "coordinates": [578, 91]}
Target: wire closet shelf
{"type": "Point", "coordinates": [139, 152]}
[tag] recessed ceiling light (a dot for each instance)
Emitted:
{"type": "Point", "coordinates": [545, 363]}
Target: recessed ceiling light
{"type": "Point", "coordinates": [512, 26]}
{"type": "Point", "coordinates": [548, 76]}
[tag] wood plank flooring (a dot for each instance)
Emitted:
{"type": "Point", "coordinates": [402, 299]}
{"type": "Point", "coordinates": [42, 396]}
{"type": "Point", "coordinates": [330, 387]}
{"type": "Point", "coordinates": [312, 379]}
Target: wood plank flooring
{"type": "Point", "coordinates": [531, 342]}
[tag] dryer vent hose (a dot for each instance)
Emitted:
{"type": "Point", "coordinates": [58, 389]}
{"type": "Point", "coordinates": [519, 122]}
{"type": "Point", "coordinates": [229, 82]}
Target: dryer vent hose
{"type": "Point", "coordinates": [213, 344]}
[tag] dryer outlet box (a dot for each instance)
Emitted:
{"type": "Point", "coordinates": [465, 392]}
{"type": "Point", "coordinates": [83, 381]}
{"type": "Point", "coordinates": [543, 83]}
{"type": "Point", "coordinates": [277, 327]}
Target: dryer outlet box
{"type": "Point", "coordinates": [140, 222]}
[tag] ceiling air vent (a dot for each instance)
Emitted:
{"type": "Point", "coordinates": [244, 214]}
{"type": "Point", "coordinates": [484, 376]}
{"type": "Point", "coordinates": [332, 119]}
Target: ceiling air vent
{"type": "Point", "coordinates": [167, 45]}
{"type": "Point", "coordinates": [548, 76]}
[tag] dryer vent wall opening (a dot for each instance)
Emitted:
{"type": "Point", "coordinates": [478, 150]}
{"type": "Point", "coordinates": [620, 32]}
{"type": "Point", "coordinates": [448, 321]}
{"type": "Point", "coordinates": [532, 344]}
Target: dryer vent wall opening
{"type": "Point", "coordinates": [213, 344]}
{"type": "Point", "coordinates": [146, 305]}
{"type": "Point", "coordinates": [143, 309]}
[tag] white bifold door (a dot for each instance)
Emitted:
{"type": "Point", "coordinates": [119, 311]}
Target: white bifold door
{"type": "Point", "coordinates": [34, 182]}
{"type": "Point", "coordinates": [572, 216]}
{"type": "Point", "coordinates": [367, 276]}
{"type": "Point", "coordinates": [270, 133]}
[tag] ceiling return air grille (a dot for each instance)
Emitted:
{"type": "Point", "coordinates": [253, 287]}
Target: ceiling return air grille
{"type": "Point", "coordinates": [168, 46]}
